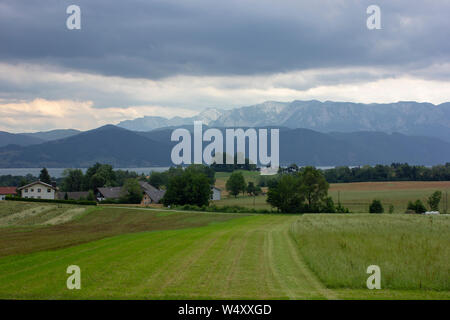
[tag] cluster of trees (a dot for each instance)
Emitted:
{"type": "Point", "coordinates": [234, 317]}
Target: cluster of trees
{"type": "Point", "coordinates": [160, 179]}
{"type": "Point", "coordinates": [19, 181]}
{"type": "Point", "coordinates": [393, 172]}
{"type": "Point", "coordinates": [224, 167]}
{"type": "Point", "coordinates": [417, 206]}
{"type": "Point", "coordinates": [236, 184]}
{"type": "Point", "coordinates": [303, 191]}
{"type": "Point", "coordinates": [99, 175]}
{"type": "Point", "coordinates": [433, 202]}
{"type": "Point", "coordinates": [189, 186]}
{"type": "Point", "coordinates": [16, 181]}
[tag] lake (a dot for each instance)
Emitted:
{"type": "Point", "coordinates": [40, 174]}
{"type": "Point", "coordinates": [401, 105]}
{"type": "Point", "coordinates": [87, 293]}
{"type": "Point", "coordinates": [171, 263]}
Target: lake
{"type": "Point", "coordinates": [57, 172]}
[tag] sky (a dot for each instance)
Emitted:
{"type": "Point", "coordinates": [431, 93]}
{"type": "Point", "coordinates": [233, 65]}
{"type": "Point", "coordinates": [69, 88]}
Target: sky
{"type": "Point", "coordinates": [176, 58]}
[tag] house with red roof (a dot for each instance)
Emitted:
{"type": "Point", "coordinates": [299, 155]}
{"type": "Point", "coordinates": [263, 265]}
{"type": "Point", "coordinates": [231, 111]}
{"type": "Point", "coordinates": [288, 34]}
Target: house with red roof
{"type": "Point", "coordinates": [5, 191]}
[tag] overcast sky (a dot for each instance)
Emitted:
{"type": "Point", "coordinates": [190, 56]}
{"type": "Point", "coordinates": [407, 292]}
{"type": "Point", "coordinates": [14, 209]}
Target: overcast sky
{"type": "Point", "coordinates": [139, 57]}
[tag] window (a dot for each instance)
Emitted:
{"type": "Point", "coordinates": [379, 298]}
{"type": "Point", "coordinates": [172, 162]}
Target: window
{"type": "Point", "coordinates": [26, 190]}
{"type": "Point", "coordinates": [39, 189]}
{"type": "Point", "coordinates": [32, 190]}
{"type": "Point", "coordinates": [49, 190]}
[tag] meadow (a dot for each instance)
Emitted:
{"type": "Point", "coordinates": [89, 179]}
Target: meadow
{"type": "Point", "coordinates": [355, 196]}
{"type": "Point", "coordinates": [140, 253]}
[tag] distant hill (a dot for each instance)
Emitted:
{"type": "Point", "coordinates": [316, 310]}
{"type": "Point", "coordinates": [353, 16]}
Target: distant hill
{"type": "Point", "coordinates": [407, 117]}
{"type": "Point", "coordinates": [123, 148]}
{"type": "Point", "coordinates": [308, 147]}
{"type": "Point", "coordinates": [53, 134]}
{"type": "Point", "coordinates": [108, 144]}
{"type": "Point", "coordinates": [7, 138]}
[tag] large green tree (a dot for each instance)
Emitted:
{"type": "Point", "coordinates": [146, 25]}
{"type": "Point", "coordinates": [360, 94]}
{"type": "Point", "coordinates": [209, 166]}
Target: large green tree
{"type": "Point", "coordinates": [72, 180]}
{"type": "Point", "coordinates": [99, 175]}
{"type": "Point", "coordinates": [284, 194]}
{"type": "Point", "coordinates": [313, 187]}
{"type": "Point", "coordinates": [305, 191]}
{"type": "Point", "coordinates": [158, 179]}
{"type": "Point", "coordinates": [206, 170]}
{"type": "Point", "coordinates": [188, 187]}
{"type": "Point", "coordinates": [236, 183]}
{"type": "Point", "coordinates": [132, 192]}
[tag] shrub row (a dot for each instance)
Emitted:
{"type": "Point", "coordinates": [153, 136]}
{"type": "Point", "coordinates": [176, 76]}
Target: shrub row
{"type": "Point", "coordinates": [80, 202]}
{"type": "Point", "coordinates": [225, 209]}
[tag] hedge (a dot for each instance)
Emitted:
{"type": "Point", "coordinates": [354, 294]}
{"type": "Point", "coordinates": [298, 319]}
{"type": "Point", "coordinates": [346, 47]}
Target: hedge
{"type": "Point", "coordinates": [81, 202]}
{"type": "Point", "coordinates": [224, 209]}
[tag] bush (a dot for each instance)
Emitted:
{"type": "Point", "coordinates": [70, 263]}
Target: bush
{"type": "Point", "coordinates": [417, 207]}
{"type": "Point", "coordinates": [376, 207]}
{"type": "Point", "coordinates": [391, 208]}
{"type": "Point", "coordinates": [80, 202]}
{"type": "Point", "coordinates": [434, 199]}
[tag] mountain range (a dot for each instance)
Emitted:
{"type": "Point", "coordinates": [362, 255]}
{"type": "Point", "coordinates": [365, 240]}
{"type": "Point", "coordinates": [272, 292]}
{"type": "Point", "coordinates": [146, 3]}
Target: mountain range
{"type": "Point", "coordinates": [311, 133]}
{"type": "Point", "coordinates": [410, 118]}
{"type": "Point", "coordinates": [124, 148]}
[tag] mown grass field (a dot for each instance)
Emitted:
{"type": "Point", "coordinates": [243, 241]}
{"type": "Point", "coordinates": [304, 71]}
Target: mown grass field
{"type": "Point", "coordinates": [132, 253]}
{"type": "Point", "coordinates": [357, 196]}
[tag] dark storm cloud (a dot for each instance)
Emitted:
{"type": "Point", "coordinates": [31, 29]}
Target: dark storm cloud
{"type": "Point", "coordinates": [155, 39]}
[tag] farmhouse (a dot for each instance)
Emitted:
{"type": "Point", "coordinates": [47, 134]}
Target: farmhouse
{"type": "Point", "coordinates": [7, 191]}
{"type": "Point", "coordinates": [109, 193]}
{"type": "Point", "coordinates": [215, 195]}
{"type": "Point", "coordinates": [151, 194]}
{"type": "Point", "coordinates": [39, 190]}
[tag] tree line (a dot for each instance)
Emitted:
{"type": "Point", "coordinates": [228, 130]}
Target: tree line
{"type": "Point", "coordinates": [393, 172]}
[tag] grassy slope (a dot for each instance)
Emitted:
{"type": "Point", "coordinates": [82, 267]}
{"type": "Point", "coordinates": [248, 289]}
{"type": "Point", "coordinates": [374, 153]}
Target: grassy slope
{"type": "Point", "coordinates": [96, 224]}
{"type": "Point", "coordinates": [248, 257]}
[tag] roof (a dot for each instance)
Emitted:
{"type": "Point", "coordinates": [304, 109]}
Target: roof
{"type": "Point", "coordinates": [216, 188]}
{"type": "Point", "coordinates": [153, 193]}
{"type": "Point", "coordinates": [111, 193]}
{"type": "Point", "coordinates": [73, 195]}
{"type": "Point", "coordinates": [8, 190]}
{"type": "Point", "coordinates": [38, 182]}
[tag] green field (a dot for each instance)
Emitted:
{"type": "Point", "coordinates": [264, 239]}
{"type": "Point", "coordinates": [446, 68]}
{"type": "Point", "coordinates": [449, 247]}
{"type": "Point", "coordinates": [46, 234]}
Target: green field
{"type": "Point", "coordinates": [355, 196]}
{"type": "Point", "coordinates": [127, 253]}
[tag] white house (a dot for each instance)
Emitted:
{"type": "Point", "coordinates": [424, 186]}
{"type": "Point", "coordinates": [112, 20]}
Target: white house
{"type": "Point", "coordinates": [215, 193]}
{"type": "Point", "coordinates": [38, 190]}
